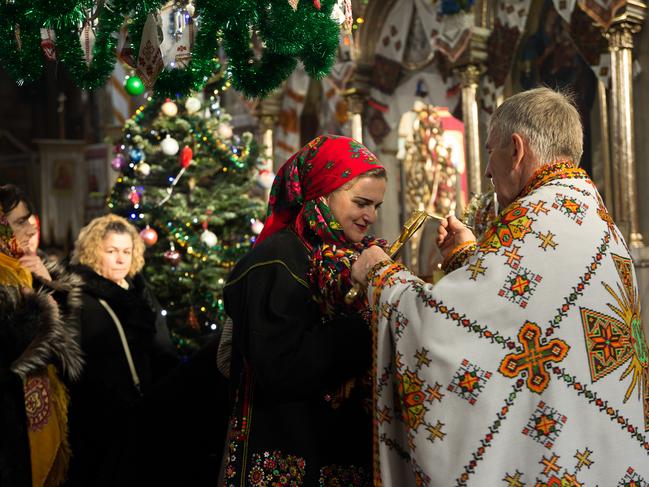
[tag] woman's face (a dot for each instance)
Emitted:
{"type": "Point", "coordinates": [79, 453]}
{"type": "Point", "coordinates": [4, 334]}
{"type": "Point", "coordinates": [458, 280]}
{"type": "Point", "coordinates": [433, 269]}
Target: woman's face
{"type": "Point", "coordinates": [115, 256]}
{"type": "Point", "coordinates": [356, 208]}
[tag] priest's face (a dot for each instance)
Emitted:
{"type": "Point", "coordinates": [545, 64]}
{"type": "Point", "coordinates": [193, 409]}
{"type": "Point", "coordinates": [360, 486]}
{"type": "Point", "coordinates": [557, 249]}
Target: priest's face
{"type": "Point", "coordinates": [356, 207]}
{"type": "Point", "coordinates": [500, 169]}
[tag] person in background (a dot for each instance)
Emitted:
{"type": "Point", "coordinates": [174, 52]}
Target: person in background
{"type": "Point", "coordinates": [127, 347]}
{"type": "Point", "coordinates": [38, 352]}
{"type": "Point", "coordinates": [297, 419]}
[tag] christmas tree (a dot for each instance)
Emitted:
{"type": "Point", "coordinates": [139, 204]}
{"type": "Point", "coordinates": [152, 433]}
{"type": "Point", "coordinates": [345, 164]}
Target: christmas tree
{"type": "Point", "coordinates": [190, 185]}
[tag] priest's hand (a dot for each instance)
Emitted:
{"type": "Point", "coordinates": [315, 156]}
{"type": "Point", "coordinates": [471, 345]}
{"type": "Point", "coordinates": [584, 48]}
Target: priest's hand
{"type": "Point", "coordinates": [451, 233]}
{"type": "Point", "coordinates": [370, 256]}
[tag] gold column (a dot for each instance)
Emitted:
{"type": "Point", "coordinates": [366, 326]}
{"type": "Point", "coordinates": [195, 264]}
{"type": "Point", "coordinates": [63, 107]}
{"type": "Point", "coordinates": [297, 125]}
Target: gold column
{"type": "Point", "coordinates": [609, 194]}
{"type": "Point", "coordinates": [469, 77]}
{"type": "Point", "coordinates": [620, 38]}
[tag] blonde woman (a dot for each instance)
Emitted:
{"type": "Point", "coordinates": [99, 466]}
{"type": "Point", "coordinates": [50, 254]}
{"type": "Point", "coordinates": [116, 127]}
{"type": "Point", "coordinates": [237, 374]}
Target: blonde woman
{"type": "Point", "coordinates": [126, 345]}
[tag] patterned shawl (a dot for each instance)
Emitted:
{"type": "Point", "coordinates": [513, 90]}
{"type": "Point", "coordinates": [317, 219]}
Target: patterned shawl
{"type": "Point", "coordinates": [46, 398]}
{"type": "Point", "coordinates": [319, 168]}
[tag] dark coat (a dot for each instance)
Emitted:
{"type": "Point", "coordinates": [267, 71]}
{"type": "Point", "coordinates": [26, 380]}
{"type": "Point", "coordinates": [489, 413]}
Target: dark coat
{"type": "Point", "coordinates": [34, 332]}
{"type": "Point", "coordinates": [105, 402]}
{"type": "Point", "coordinates": [288, 365]}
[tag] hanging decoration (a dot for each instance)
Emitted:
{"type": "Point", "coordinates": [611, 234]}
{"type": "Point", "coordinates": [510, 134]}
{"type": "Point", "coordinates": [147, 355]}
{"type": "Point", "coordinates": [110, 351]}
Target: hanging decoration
{"type": "Point", "coordinates": [149, 236]}
{"type": "Point", "coordinates": [87, 37]}
{"type": "Point", "coordinates": [134, 86]}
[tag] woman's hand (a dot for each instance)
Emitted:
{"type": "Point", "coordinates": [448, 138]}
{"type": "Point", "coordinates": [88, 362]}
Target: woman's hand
{"type": "Point", "coordinates": [365, 262]}
{"type": "Point", "coordinates": [34, 264]}
{"type": "Point", "coordinates": [451, 233]}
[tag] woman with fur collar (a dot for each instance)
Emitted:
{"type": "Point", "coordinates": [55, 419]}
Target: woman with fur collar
{"type": "Point", "coordinates": [38, 351]}
{"type": "Point", "coordinates": [127, 348]}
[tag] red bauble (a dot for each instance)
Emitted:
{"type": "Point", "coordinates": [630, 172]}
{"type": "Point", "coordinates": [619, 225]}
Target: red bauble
{"type": "Point", "coordinates": [316, 4]}
{"type": "Point", "coordinates": [134, 197]}
{"type": "Point", "coordinates": [149, 236]}
{"type": "Point", "coordinates": [186, 156]}
{"type": "Point", "coordinates": [172, 256]}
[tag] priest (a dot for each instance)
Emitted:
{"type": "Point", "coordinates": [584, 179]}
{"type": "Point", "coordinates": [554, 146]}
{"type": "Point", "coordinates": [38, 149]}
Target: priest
{"type": "Point", "coordinates": [526, 364]}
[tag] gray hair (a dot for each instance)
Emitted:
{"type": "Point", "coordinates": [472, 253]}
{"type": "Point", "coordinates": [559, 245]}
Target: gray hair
{"type": "Point", "coordinates": [546, 119]}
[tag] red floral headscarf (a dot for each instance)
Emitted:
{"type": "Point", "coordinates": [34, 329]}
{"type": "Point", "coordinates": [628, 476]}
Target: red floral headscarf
{"type": "Point", "coordinates": [319, 168]}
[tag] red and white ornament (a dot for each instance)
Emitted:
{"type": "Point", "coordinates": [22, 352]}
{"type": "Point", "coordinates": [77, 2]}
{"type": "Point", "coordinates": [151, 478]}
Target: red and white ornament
{"type": "Point", "coordinates": [172, 256]}
{"type": "Point", "coordinates": [256, 226]}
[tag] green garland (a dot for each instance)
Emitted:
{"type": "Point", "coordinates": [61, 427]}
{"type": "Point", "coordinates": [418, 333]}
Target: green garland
{"type": "Point", "coordinates": [307, 34]}
{"type": "Point", "coordinates": [24, 63]}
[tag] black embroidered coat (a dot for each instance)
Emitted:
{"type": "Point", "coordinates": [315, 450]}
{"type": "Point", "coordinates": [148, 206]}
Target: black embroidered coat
{"type": "Point", "coordinates": [104, 403]}
{"type": "Point", "coordinates": [290, 425]}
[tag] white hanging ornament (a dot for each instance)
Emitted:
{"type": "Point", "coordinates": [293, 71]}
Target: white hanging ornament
{"type": "Point", "coordinates": [256, 226]}
{"type": "Point", "coordinates": [209, 238]}
{"type": "Point", "coordinates": [169, 108]}
{"type": "Point", "coordinates": [225, 131]}
{"type": "Point", "coordinates": [169, 146]}
{"type": "Point", "coordinates": [294, 3]}
{"type": "Point", "coordinates": [192, 105]}
{"type": "Point", "coordinates": [191, 10]}
{"type": "Point", "coordinates": [143, 169]}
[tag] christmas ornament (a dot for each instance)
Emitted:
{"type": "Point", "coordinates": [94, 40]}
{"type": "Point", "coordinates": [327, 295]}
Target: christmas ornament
{"type": "Point", "coordinates": [149, 236]}
{"type": "Point", "coordinates": [256, 226]}
{"type": "Point", "coordinates": [225, 131]}
{"type": "Point", "coordinates": [191, 10]}
{"type": "Point", "coordinates": [265, 178]}
{"type": "Point", "coordinates": [192, 321]}
{"type": "Point", "coordinates": [209, 238]}
{"type": "Point", "coordinates": [169, 108]}
{"type": "Point", "coordinates": [136, 155]}
{"type": "Point", "coordinates": [186, 157]}
{"type": "Point", "coordinates": [143, 169]}
{"type": "Point", "coordinates": [169, 146]}
{"type": "Point", "coordinates": [172, 256]}
{"type": "Point", "coordinates": [134, 86]}
{"type": "Point", "coordinates": [316, 4]}
{"type": "Point", "coordinates": [192, 105]}
{"type": "Point", "coordinates": [119, 162]}
{"type": "Point", "coordinates": [149, 59]}
{"type": "Point", "coordinates": [294, 3]}
{"type": "Point", "coordinates": [134, 197]}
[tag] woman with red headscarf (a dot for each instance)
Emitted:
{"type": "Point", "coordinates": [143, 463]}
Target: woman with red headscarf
{"type": "Point", "coordinates": [299, 415]}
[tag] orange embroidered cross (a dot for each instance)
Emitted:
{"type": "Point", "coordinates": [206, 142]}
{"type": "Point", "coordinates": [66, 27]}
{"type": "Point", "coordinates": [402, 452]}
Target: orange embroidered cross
{"type": "Point", "coordinates": [512, 256]}
{"type": "Point", "coordinates": [550, 464]}
{"type": "Point", "coordinates": [435, 431]}
{"type": "Point", "coordinates": [433, 393]}
{"type": "Point", "coordinates": [534, 357]}
{"type": "Point", "coordinates": [571, 205]}
{"type": "Point", "coordinates": [540, 207]}
{"type": "Point", "coordinates": [521, 285]}
{"type": "Point", "coordinates": [469, 381]}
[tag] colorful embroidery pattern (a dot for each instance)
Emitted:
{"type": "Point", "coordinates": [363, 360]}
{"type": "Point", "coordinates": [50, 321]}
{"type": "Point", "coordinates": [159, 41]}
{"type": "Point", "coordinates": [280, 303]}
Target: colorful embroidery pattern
{"type": "Point", "coordinates": [512, 225]}
{"type": "Point", "coordinates": [469, 381]}
{"type": "Point", "coordinates": [545, 425]}
{"type": "Point", "coordinates": [344, 476]}
{"type": "Point", "coordinates": [37, 402]}
{"type": "Point", "coordinates": [494, 429]}
{"type": "Point", "coordinates": [519, 286]}
{"type": "Point", "coordinates": [570, 207]}
{"type": "Point", "coordinates": [275, 468]}
{"type": "Point", "coordinates": [632, 479]}
{"type": "Point", "coordinates": [536, 354]}
{"type": "Point", "coordinates": [612, 342]}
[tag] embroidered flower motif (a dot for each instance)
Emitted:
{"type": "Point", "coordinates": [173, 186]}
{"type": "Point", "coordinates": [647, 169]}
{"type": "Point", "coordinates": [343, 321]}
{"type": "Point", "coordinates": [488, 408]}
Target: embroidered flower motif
{"type": "Point", "coordinates": [276, 469]}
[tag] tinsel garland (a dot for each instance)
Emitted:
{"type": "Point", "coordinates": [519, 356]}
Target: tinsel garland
{"type": "Point", "coordinates": [307, 34]}
{"type": "Point", "coordinates": [24, 61]}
